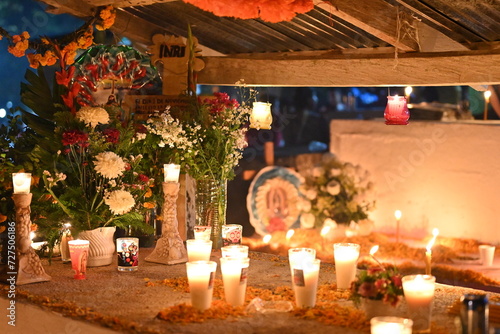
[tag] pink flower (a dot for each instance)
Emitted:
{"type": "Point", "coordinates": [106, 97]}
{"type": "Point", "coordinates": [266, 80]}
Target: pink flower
{"type": "Point", "coordinates": [367, 290]}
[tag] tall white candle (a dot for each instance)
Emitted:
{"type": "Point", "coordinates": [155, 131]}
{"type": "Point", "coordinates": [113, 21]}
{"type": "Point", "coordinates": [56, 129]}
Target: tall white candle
{"type": "Point", "coordinates": [346, 257]}
{"type": "Point", "coordinates": [200, 278]}
{"type": "Point", "coordinates": [198, 249]}
{"type": "Point", "coordinates": [22, 182]}
{"type": "Point", "coordinates": [299, 255]}
{"type": "Point", "coordinates": [172, 172]}
{"type": "Point", "coordinates": [419, 294]}
{"type": "Point", "coordinates": [305, 282]}
{"type": "Point", "coordinates": [234, 276]}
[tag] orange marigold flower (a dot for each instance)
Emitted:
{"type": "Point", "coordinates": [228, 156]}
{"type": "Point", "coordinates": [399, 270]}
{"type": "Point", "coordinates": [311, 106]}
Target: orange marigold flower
{"type": "Point", "coordinates": [2, 218]}
{"type": "Point", "coordinates": [108, 16]}
{"type": "Point", "coordinates": [44, 41]}
{"type": "Point", "coordinates": [34, 59]}
{"type": "Point", "coordinates": [149, 205]}
{"type": "Point", "coordinates": [25, 35]}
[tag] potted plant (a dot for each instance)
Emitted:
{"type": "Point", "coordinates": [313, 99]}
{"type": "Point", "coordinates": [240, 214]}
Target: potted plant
{"type": "Point", "coordinates": [378, 291]}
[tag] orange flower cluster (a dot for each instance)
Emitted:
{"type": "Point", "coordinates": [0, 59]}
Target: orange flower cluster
{"type": "Point", "coordinates": [108, 16]}
{"type": "Point", "coordinates": [82, 42]}
{"type": "Point", "coordinates": [21, 44]}
{"type": "Point", "coordinates": [271, 11]}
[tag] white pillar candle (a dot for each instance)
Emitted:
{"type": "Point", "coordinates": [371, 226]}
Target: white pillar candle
{"type": "Point", "coordinates": [201, 283]}
{"type": "Point", "coordinates": [305, 282]}
{"type": "Point", "coordinates": [486, 254]}
{"type": "Point", "coordinates": [172, 172]}
{"type": "Point", "coordinates": [22, 183]}
{"type": "Point", "coordinates": [299, 255]}
{"type": "Point", "coordinates": [346, 258]}
{"type": "Point", "coordinates": [234, 276]}
{"type": "Point", "coordinates": [419, 294]}
{"type": "Point", "coordinates": [199, 250]}
{"type": "Point", "coordinates": [392, 325]}
{"type": "Point", "coordinates": [235, 251]}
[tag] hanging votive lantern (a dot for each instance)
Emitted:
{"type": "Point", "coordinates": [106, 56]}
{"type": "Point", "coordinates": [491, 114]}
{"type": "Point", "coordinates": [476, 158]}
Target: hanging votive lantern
{"type": "Point", "coordinates": [396, 112]}
{"type": "Point", "coordinates": [261, 117]}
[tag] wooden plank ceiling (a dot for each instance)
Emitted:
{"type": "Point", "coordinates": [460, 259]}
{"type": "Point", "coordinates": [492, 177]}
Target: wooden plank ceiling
{"type": "Point", "coordinates": [338, 43]}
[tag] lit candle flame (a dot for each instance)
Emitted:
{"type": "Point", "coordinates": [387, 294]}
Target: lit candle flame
{"type": "Point", "coordinates": [32, 235]}
{"type": "Point", "coordinates": [67, 225]}
{"type": "Point", "coordinates": [398, 214]}
{"type": "Point", "coordinates": [289, 234]}
{"type": "Point", "coordinates": [435, 233]}
{"type": "Point", "coordinates": [267, 238]}
{"type": "Point", "coordinates": [408, 90]}
{"type": "Point", "coordinates": [325, 230]}
{"type": "Point", "coordinates": [374, 250]}
{"type": "Point", "coordinates": [487, 95]}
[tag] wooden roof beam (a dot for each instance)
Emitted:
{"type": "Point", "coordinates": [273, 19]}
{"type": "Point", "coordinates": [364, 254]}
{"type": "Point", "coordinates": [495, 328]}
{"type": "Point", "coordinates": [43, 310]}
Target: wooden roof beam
{"type": "Point", "coordinates": [376, 17]}
{"type": "Point", "coordinates": [448, 69]}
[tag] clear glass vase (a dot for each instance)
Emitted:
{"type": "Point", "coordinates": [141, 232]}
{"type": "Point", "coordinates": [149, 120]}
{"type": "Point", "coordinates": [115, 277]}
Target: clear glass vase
{"type": "Point", "coordinates": [211, 204]}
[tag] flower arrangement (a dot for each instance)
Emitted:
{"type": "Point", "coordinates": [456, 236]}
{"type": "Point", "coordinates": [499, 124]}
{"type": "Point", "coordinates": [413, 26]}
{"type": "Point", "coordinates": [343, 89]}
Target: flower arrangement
{"type": "Point", "coordinates": [378, 284]}
{"type": "Point", "coordinates": [96, 177]}
{"type": "Point", "coordinates": [334, 191]}
{"type": "Point", "coordinates": [208, 140]}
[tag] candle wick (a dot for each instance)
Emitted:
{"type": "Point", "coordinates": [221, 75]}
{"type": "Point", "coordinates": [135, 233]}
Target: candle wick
{"type": "Point", "coordinates": [378, 262]}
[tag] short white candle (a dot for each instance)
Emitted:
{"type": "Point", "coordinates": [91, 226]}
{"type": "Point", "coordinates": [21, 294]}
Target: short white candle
{"type": "Point", "coordinates": [419, 294]}
{"type": "Point", "coordinates": [346, 257]}
{"type": "Point", "coordinates": [235, 251]}
{"type": "Point", "coordinates": [198, 250]}
{"type": "Point", "coordinates": [234, 276]}
{"type": "Point", "coordinates": [200, 278]}
{"type": "Point", "coordinates": [305, 282]}
{"type": "Point", "coordinates": [172, 172]}
{"type": "Point", "coordinates": [22, 182]}
{"type": "Point", "coordinates": [392, 325]}
{"type": "Point", "coordinates": [486, 254]}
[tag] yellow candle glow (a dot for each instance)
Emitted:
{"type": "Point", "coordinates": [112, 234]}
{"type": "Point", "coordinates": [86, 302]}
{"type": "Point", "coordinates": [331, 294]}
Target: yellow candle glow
{"type": "Point", "coordinates": [267, 238]}
{"type": "Point", "coordinates": [22, 182]}
{"type": "Point", "coordinates": [487, 95]}
{"type": "Point", "coordinates": [199, 250]}
{"type": "Point", "coordinates": [398, 215]}
{"type": "Point", "coordinates": [172, 172]}
{"type": "Point", "coordinates": [408, 91]}
{"type": "Point", "coordinates": [325, 230]}
{"type": "Point", "coordinates": [289, 235]}
{"type": "Point", "coordinates": [428, 252]}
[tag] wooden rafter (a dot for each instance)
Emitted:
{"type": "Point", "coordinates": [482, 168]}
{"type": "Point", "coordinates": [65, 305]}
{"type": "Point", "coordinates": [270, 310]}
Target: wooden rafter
{"type": "Point", "coordinates": [376, 17]}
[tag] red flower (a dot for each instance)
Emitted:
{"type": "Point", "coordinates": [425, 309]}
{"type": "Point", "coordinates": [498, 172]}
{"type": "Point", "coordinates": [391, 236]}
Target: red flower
{"type": "Point", "coordinates": [374, 271]}
{"type": "Point", "coordinates": [396, 279]}
{"type": "Point", "coordinates": [112, 135]}
{"type": "Point", "coordinates": [140, 128]}
{"type": "Point", "coordinates": [367, 290]}
{"type": "Point", "coordinates": [75, 137]}
{"type": "Point", "coordinates": [143, 178]}
{"type": "Point", "coordinates": [219, 102]}
{"type": "Point", "coordinates": [381, 284]}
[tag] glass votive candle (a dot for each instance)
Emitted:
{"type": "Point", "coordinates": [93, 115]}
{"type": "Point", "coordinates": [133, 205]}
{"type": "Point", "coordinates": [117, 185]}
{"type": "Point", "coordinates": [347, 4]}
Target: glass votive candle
{"type": "Point", "coordinates": [300, 254]}
{"type": "Point", "coordinates": [305, 276]}
{"type": "Point", "coordinates": [486, 255]}
{"type": "Point", "coordinates": [202, 232]}
{"type": "Point", "coordinates": [235, 251]}
{"type": "Point", "coordinates": [346, 258]}
{"type": "Point", "coordinates": [199, 250]}
{"type": "Point", "coordinates": [234, 276]}
{"type": "Point", "coordinates": [201, 283]}
{"type": "Point", "coordinates": [79, 252]}
{"type": "Point", "coordinates": [127, 250]}
{"type": "Point", "coordinates": [231, 234]}
{"type": "Point", "coordinates": [392, 325]}
{"type": "Point", "coordinates": [21, 183]}
{"type": "Point", "coordinates": [419, 295]}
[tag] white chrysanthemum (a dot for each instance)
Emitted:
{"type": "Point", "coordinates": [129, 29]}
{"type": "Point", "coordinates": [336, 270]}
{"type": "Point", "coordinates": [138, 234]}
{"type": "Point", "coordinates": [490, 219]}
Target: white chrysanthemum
{"type": "Point", "coordinates": [109, 164]}
{"type": "Point", "coordinates": [92, 116]}
{"type": "Point", "coordinates": [119, 201]}
{"type": "Point", "coordinates": [318, 171]}
{"type": "Point", "coordinates": [307, 220]}
{"type": "Point", "coordinates": [333, 187]}
{"type": "Point", "coordinates": [330, 222]}
{"type": "Point", "coordinates": [334, 172]}
{"type": "Point", "coordinates": [311, 194]}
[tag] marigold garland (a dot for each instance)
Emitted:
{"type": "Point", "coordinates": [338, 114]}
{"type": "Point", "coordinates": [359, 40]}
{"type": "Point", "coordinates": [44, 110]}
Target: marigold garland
{"type": "Point", "coordinates": [271, 11]}
{"type": "Point", "coordinates": [46, 52]}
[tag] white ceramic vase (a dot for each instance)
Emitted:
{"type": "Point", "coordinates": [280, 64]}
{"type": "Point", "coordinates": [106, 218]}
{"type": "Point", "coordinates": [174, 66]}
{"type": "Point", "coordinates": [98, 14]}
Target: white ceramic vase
{"type": "Point", "coordinates": [101, 247]}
